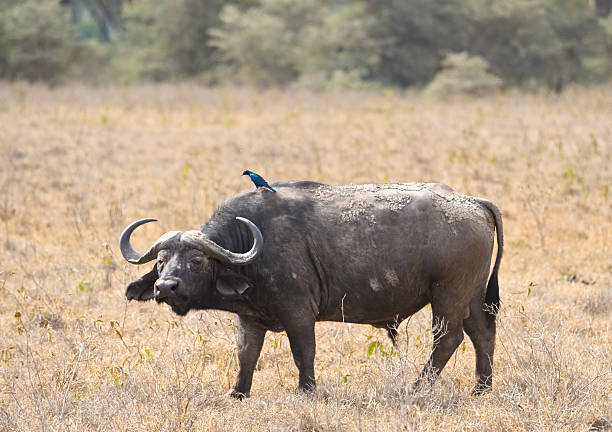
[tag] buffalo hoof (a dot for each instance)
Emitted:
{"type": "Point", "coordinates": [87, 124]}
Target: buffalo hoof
{"type": "Point", "coordinates": [481, 389]}
{"type": "Point", "coordinates": [422, 383]}
{"type": "Point", "coordinates": [234, 394]}
{"type": "Point", "coordinates": [308, 388]}
{"type": "Point", "coordinates": [308, 392]}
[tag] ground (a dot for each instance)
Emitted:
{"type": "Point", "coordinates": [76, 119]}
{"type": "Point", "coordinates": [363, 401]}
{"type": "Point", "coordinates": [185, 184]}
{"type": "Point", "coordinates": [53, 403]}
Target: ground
{"type": "Point", "coordinates": [78, 164]}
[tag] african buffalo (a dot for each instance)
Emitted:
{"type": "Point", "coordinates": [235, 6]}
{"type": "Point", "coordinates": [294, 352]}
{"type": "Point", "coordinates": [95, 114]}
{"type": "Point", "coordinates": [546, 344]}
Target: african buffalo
{"type": "Point", "coordinates": [370, 254]}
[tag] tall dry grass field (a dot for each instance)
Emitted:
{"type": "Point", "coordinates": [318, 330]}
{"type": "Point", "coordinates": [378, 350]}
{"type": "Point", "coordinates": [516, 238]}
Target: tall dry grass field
{"type": "Point", "coordinates": [78, 164]}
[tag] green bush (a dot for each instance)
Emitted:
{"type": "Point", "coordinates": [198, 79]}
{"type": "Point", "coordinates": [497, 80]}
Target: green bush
{"type": "Point", "coordinates": [337, 46]}
{"type": "Point", "coordinates": [36, 41]}
{"type": "Point", "coordinates": [259, 42]}
{"type": "Point", "coordinates": [280, 41]}
{"type": "Point", "coordinates": [139, 54]}
{"type": "Point", "coordinates": [463, 73]}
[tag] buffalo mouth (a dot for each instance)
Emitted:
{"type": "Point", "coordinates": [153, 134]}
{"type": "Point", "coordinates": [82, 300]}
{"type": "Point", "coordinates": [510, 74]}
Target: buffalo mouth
{"type": "Point", "coordinates": [180, 309]}
{"type": "Point", "coordinates": [178, 302]}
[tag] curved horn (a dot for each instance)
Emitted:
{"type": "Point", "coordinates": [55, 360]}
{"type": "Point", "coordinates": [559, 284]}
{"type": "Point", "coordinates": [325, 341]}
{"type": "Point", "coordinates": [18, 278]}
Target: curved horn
{"type": "Point", "coordinates": [212, 249]}
{"type": "Point", "coordinates": [128, 251]}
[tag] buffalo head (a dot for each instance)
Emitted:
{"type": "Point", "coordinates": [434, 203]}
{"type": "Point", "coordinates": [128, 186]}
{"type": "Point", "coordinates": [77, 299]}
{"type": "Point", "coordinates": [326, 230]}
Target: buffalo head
{"type": "Point", "coordinates": [189, 270]}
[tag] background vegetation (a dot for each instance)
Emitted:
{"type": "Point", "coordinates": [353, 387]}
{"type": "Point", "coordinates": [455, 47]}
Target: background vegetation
{"type": "Point", "coordinates": [78, 164]}
{"type": "Point", "coordinates": [319, 44]}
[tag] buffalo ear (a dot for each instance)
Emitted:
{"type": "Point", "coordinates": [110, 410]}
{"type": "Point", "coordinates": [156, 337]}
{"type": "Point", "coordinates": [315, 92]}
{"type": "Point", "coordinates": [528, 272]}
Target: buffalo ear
{"type": "Point", "coordinates": [230, 284]}
{"type": "Point", "coordinates": [142, 289]}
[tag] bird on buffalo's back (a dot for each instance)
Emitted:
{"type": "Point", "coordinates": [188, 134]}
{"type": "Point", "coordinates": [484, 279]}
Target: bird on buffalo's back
{"type": "Point", "coordinates": [258, 180]}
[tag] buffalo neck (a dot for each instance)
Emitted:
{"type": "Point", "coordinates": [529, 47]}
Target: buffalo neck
{"type": "Point", "coordinates": [241, 306]}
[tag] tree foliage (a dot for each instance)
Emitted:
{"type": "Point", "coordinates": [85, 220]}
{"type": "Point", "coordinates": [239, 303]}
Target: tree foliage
{"type": "Point", "coordinates": [259, 42]}
{"type": "Point", "coordinates": [140, 55]}
{"type": "Point", "coordinates": [337, 48]}
{"type": "Point", "coordinates": [547, 42]}
{"type": "Point", "coordinates": [106, 15]}
{"type": "Point", "coordinates": [186, 34]}
{"type": "Point", "coordinates": [280, 41]}
{"type": "Point", "coordinates": [415, 35]}
{"type": "Point", "coordinates": [315, 43]}
{"type": "Point", "coordinates": [35, 40]}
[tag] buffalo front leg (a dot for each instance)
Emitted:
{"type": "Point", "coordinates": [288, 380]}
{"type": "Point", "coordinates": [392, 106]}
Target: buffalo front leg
{"type": "Point", "coordinates": [302, 341]}
{"type": "Point", "coordinates": [250, 340]}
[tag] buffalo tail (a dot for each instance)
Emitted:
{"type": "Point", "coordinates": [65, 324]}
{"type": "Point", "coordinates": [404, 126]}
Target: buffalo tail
{"type": "Point", "coordinates": [491, 302]}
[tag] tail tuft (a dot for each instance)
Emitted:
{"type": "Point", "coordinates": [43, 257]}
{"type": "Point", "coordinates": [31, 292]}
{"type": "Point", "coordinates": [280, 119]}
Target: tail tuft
{"type": "Point", "coordinates": [491, 303]}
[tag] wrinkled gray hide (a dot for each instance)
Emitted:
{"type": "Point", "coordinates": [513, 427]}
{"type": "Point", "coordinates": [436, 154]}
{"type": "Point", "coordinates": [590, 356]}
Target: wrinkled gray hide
{"type": "Point", "coordinates": [370, 254]}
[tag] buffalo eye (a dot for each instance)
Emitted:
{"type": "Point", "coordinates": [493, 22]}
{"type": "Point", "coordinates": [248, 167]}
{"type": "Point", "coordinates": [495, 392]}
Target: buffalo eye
{"type": "Point", "coordinates": [195, 263]}
{"type": "Point", "coordinates": [161, 260]}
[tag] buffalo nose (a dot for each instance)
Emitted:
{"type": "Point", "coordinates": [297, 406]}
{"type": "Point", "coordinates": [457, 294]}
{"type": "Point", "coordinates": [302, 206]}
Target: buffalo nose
{"type": "Point", "coordinates": [165, 288]}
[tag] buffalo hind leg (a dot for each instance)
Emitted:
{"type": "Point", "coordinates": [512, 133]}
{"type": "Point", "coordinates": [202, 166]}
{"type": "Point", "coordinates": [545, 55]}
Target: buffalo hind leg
{"type": "Point", "coordinates": [447, 328]}
{"type": "Point", "coordinates": [480, 327]}
{"type": "Point", "coordinates": [250, 340]}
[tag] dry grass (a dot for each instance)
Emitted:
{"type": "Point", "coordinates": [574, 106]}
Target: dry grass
{"type": "Point", "coordinates": [77, 164]}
